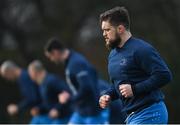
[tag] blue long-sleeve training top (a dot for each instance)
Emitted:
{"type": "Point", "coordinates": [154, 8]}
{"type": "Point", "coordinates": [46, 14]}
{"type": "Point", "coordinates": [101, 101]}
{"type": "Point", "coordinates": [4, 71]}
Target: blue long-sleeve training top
{"type": "Point", "coordinates": [50, 87]}
{"type": "Point", "coordinates": [140, 65]}
{"type": "Point", "coordinates": [82, 79]}
{"type": "Point", "coordinates": [29, 91]}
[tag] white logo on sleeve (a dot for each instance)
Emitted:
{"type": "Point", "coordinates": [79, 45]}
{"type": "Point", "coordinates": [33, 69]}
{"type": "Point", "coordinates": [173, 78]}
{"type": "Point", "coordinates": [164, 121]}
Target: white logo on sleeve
{"type": "Point", "coordinates": [69, 82]}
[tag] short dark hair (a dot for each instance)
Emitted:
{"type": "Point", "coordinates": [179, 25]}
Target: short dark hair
{"type": "Point", "coordinates": [116, 16]}
{"type": "Point", "coordinates": [54, 44]}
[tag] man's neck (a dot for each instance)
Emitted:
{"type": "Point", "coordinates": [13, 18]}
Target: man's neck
{"type": "Point", "coordinates": [124, 37]}
{"type": "Point", "coordinates": [42, 77]}
{"type": "Point", "coordinates": [18, 72]}
{"type": "Point", "coordinates": [66, 54]}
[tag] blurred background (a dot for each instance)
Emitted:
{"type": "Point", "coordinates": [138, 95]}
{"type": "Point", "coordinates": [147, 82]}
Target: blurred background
{"type": "Point", "coordinates": [25, 26]}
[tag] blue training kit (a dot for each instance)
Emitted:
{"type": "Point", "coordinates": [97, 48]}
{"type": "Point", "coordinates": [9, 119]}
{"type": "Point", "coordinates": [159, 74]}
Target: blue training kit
{"type": "Point", "coordinates": [139, 64]}
{"type": "Point", "coordinates": [29, 91]}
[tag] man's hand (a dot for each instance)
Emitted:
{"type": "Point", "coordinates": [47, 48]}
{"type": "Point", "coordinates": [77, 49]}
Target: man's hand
{"type": "Point", "coordinates": [34, 111]}
{"type": "Point", "coordinates": [104, 101]}
{"type": "Point", "coordinates": [126, 90]}
{"type": "Point", "coordinates": [12, 109]}
{"type": "Point", "coordinates": [53, 113]}
{"type": "Point", "coordinates": [63, 97]}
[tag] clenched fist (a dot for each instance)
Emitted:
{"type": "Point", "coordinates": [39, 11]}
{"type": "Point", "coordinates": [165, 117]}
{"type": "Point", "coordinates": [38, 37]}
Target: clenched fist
{"type": "Point", "coordinates": [63, 97]}
{"type": "Point", "coordinates": [104, 101]}
{"type": "Point", "coordinates": [34, 111]}
{"type": "Point", "coordinates": [126, 90]}
{"type": "Point", "coordinates": [12, 109]}
{"type": "Point", "coordinates": [53, 113]}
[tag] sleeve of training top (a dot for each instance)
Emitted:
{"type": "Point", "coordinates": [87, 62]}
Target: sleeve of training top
{"type": "Point", "coordinates": [24, 104]}
{"type": "Point", "coordinates": [151, 63]}
{"type": "Point", "coordinates": [59, 86]}
{"type": "Point", "coordinates": [85, 80]}
{"type": "Point", "coordinates": [42, 108]}
{"type": "Point", "coordinates": [112, 93]}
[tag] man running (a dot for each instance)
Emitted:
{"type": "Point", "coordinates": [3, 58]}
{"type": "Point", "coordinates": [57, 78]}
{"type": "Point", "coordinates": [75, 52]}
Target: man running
{"type": "Point", "coordinates": [83, 81]}
{"type": "Point", "coordinates": [50, 86]}
{"type": "Point", "coordinates": [136, 70]}
{"type": "Point", "coordinates": [28, 88]}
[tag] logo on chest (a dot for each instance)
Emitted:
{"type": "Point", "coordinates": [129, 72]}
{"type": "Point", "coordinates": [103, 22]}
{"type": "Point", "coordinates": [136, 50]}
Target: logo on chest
{"type": "Point", "coordinates": [123, 62]}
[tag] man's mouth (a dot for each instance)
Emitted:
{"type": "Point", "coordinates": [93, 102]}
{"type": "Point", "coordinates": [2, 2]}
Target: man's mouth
{"type": "Point", "coordinates": [106, 39]}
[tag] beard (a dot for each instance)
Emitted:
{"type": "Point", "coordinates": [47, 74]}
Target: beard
{"type": "Point", "coordinates": [57, 62]}
{"type": "Point", "coordinates": [113, 43]}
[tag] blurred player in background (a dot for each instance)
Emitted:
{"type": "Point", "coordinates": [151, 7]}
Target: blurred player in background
{"type": "Point", "coordinates": [50, 86]}
{"type": "Point", "coordinates": [136, 70]}
{"type": "Point", "coordinates": [83, 81]}
{"type": "Point", "coordinates": [29, 90]}
{"type": "Point", "coordinates": [117, 116]}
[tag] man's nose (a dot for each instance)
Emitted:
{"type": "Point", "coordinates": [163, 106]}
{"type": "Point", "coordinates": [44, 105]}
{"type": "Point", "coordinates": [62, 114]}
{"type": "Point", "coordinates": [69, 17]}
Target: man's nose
{"type": "Point", "coordinates": [104, 33]}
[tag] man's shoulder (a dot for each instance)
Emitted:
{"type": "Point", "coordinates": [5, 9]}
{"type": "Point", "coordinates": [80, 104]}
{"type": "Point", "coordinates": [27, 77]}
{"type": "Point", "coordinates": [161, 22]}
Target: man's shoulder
{"type": "Point", "coordinates": [24, 72]}
{"type": "Point", "coordinates": [112, 52]}
{"type": "Point", "coordinates": [24, 75]}
{"type": "Point", "coordinates": [77, 59]}
{"type": "Point", "coordinates": [140, 42]}
{"type": "Point", "coordinates": [52, 77]}
{"type": "Point", "coordinates": [141, 45]}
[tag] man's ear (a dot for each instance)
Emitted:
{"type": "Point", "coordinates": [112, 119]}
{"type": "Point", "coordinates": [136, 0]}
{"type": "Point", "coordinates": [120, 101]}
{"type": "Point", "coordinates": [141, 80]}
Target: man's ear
{"type": "Point", "coordinates": [120, 29]}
